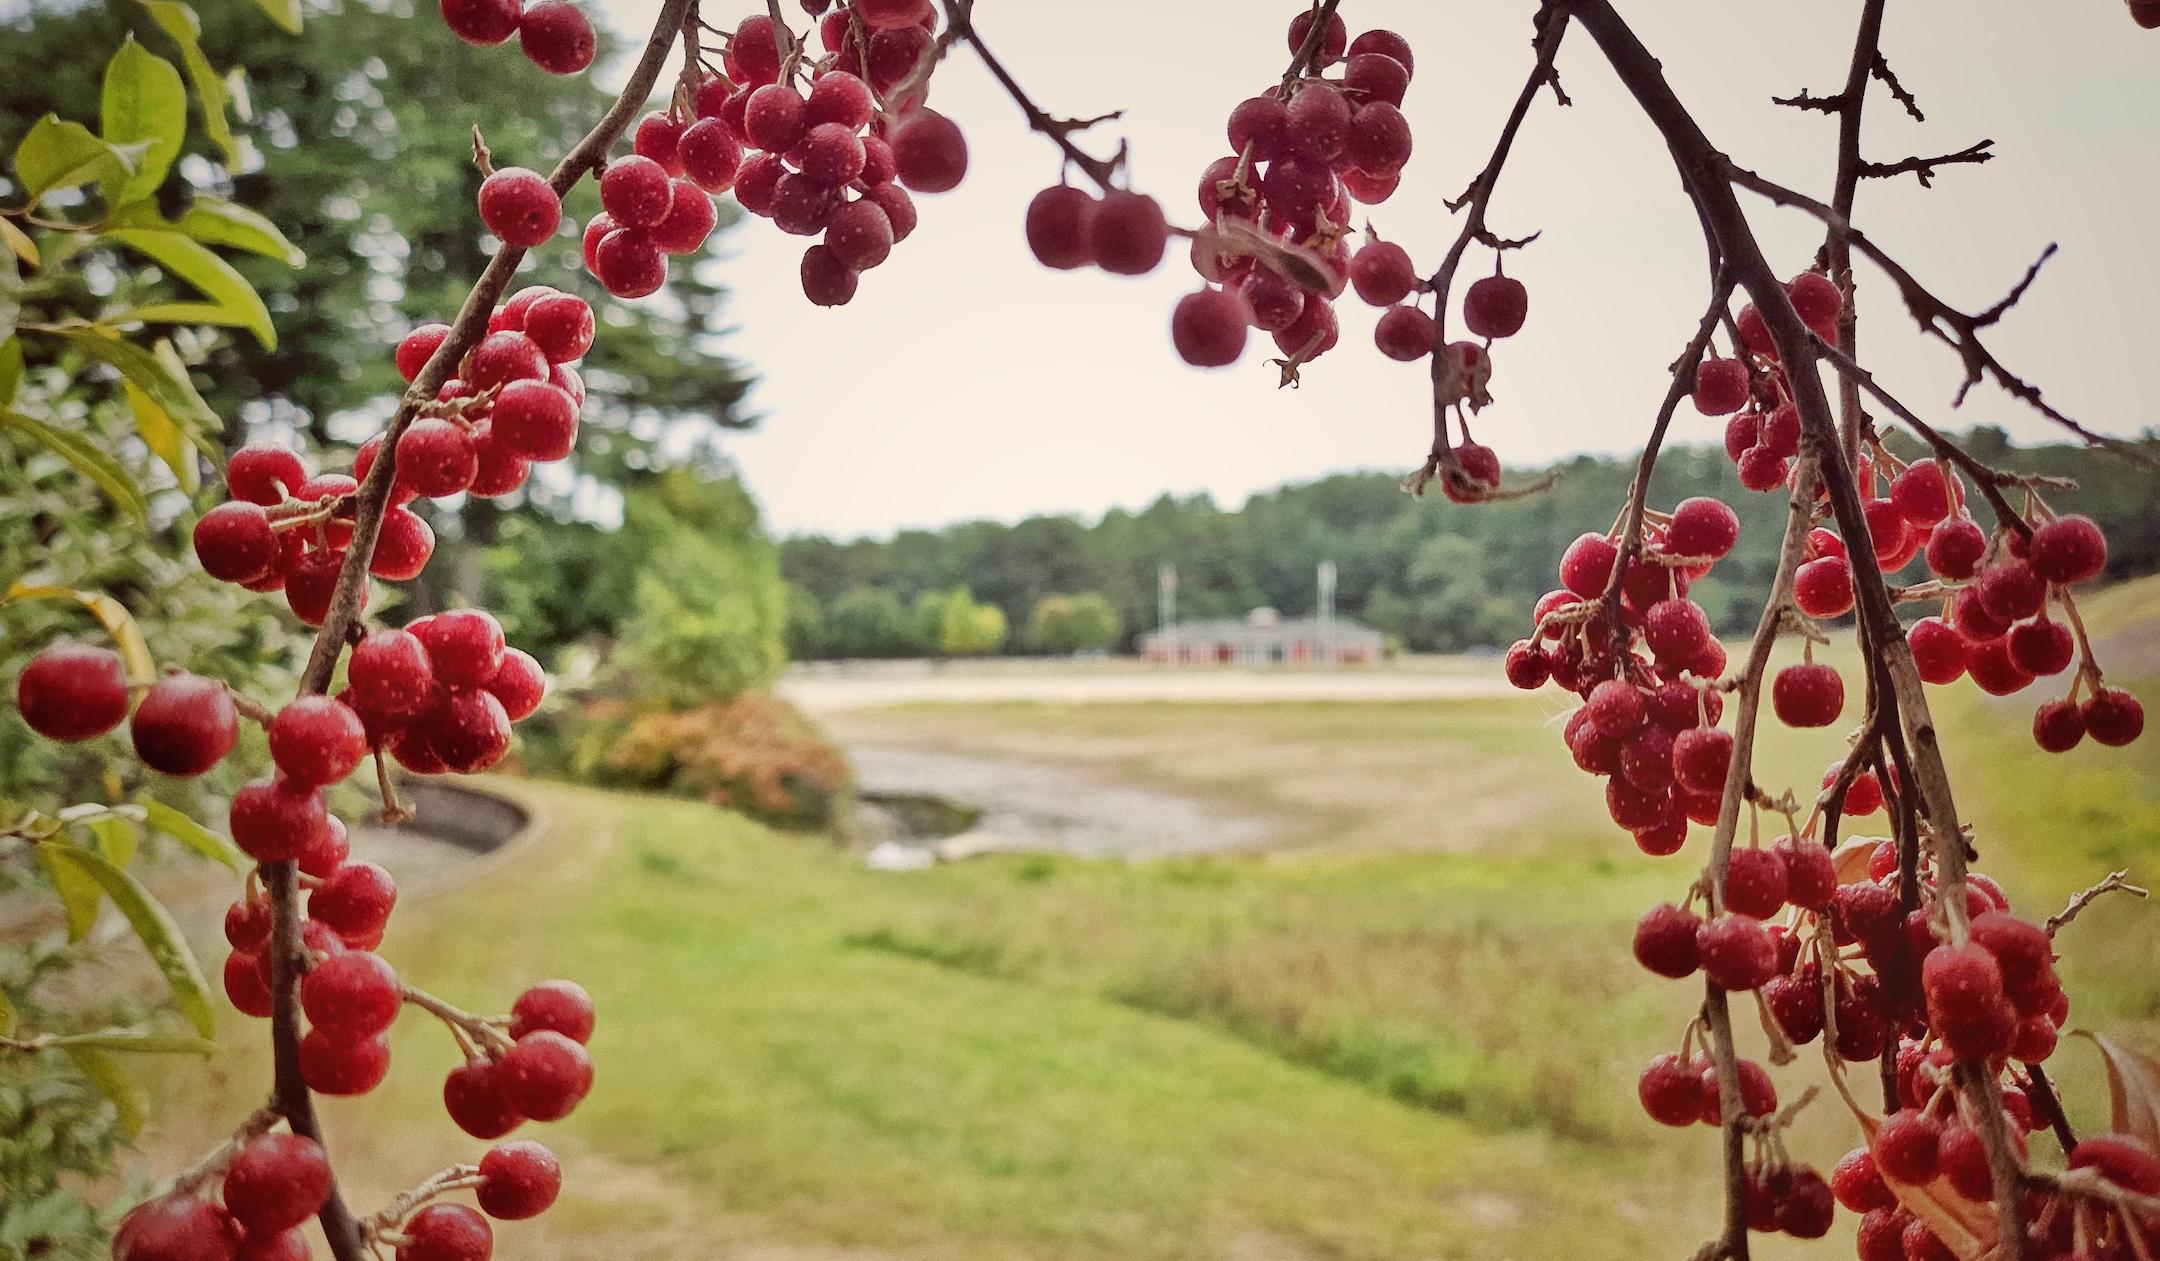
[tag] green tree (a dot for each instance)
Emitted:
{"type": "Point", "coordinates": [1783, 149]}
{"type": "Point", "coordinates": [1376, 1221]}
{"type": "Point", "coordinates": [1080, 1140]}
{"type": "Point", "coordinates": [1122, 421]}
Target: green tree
{"type": "Point", "coordinates": [1070, 624]}
{"type": "Point", "coordinates": [969, 628]}
{"type": "Point", "coordinates": [869, 622]}
{"type": "Point", "coordinates": [709, 618]}
{"type": "Point", "coordinates": [805, 624]}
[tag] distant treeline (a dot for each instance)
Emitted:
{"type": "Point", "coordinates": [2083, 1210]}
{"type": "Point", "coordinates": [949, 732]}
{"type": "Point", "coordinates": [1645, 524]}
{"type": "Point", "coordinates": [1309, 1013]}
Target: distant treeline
{"type": "Point", "coordinates": [1435, 575]}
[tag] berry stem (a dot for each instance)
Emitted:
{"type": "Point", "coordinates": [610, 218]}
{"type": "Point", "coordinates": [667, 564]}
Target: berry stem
{"type": "Point", "coordinates": [486, 1032]}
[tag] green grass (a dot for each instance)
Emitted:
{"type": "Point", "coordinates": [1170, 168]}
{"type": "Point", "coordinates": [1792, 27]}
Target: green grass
{"type": "Point", "coordinates": [1413, 1035]}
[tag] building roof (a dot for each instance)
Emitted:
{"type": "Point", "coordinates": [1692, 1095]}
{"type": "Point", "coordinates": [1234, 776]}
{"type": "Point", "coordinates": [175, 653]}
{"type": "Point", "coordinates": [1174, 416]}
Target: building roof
{"type": "Point", "coordinates": [1241, 630]}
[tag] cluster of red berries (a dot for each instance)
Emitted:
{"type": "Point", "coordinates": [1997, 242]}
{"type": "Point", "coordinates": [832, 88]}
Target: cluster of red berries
{"type": "Point", "coordinates": [270, 1184]}
{"type": "Point", "coordinates": [838, 159]}
{"type": "Point", "coordinates": [554, 34]}
{"type": "Point", "coordinates": [1763, 435]}
{"type": "Point", "coordinates": [1649, 721]}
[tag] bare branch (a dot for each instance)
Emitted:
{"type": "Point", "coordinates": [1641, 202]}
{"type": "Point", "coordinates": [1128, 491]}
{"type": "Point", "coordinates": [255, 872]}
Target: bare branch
{"type": "Point", "coordinates": [1923, 169]}
{"type": "Point", "coordinates": [1880, 69]}
{"type": "Point", "coordinates": [2017, 291]}
{"type": "Point", "coordinates": [1804, 100]}
{"type": "Point", "coordinates": [2115, 880]}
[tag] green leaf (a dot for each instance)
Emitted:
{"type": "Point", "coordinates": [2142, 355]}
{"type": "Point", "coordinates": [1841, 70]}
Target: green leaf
{"type": "Point", "coordinates": [286, 13]}
{"type": "Point", "coordinates": [128, 1040]}
{"type": "Point", "coordinates": [165, 439]}
{"type": "Point", "coordinates": [179, 22]}
{"type": "Point", "coordinates": [11, 367]}
{"type": "Point", "coordinates": [80, 896]}
{"type": "Point", "coordinates": [194, 263]}
{"type": "Point", "coordinates": [104, 1072]}
{"type": "Point", "coordinates": [177, 313]}
{"type": "Point", "coordinates": [126, 635]}
{"type": "Point", "coordinates": [163, 818]}
{"type": "Point", "coordinates": [159, 375]}
{"type": "Point", "coordinates": [89, 459]}
{"type": "Point", "coordinates": [143, 101]}
{"type": "Point", "coordinates": [58, 154]}
{"type": "Point", "coordinates": [19, 243]}
{"type": "Point", "coordinates": [115, 839]}
{"type": "Point", "coordinates": [153, 924]}
{"type": "Point", "coordinates": [216, 222]}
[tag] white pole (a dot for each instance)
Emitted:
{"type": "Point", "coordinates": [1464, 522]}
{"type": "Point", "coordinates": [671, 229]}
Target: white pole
{"type": "Point", "coordinates": [1166, 610]}
{"type": "Point", "coordinates": [1327, 612]}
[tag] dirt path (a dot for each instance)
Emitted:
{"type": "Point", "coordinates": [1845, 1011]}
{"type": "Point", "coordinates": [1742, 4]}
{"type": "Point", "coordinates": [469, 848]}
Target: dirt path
{"type": "Point", "coordinates": [822, 688]}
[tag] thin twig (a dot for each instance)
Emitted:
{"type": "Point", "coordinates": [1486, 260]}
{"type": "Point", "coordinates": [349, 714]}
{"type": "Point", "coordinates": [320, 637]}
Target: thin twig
{"type": "Point", "coordinates": [2115, 880]}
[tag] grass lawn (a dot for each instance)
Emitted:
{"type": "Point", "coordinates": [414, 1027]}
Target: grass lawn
{"type": "Point", "coordinates": [1414, 1035]}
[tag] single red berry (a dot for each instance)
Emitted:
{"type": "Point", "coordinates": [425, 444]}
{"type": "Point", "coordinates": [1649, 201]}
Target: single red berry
{"type": "Point", "coordinates": [1815, 299]}
{"type": "Point", "coordinates": [475, 1096]}
{"type": "Point", "coordinates": [403, 546]}
{"type": "Point", "coordinates": [517, 205]}
{"type": "Point", "coordinates": [1921, 493]}
{"type": "Point", "coordinates": [1376, 77]}
{"type": "Point", "coordinates": [245, 987]}
{"type": "Point", "coordinates": [469, 732]}
{"type": "Point", "coordinates": [1939, 652]}
{"type": "Point", "coordinates": [754, 53]}
{"type": "Point", "coordinates": [265, 473]}
{"type": "Point", "coordinates": [1127, 233]}
{"type": "Point", "coordinates": [2058, 726]}
{"type": "Point", "coordinates": [1670, 1091]}
{"type": "Point", "coordinates": [546, 1074]}
{"type": "Point", "coordinates": [1762, 469]}
{"type": "Point", "coordinates": [690, 220]}
{"type": "Point", "coordinates": [1617, 708]}
{"type": "Point", "coordinates": [1057, 227]}
{"type": "Point", "coordinates": [1701, 756]}
{"type": "Point", "coordinates": [2042, 647]}
{"type": "Point", "coordinates": [1907, 1148]}
{"type": "Point", "coordinates": [535, 420]}
{"type": "Point", "coordinates": [1404, 334]}
{"type": "Point", "coordinates": [1823, 587]}
{"type": "Point", "coordinates": [1954, 548]}
{"type": "Point", "coordinates": [1807, 1208]}
{"type": "Point", "coordinates": [1755, 882]}
{"type": "Point", "coordinates": [1387, 44]}
{"type": "Point", "coordinates": [562, 1006]}
{"type": "Point", "coordinates": [1259, 121]}
{"type": "Point", "coordinates": [177, 1227]}
{"type": "Point", "coordinates": [276, 1182]}
{"type": "Point", "coordinates": [629, 264]}
{"type": "Point", "coordinates": [1315, 331]}
{"type": "Point", "coordinates": [446, 1232]}
{"type": "Point", "coordinates": [316, 741]}
{"type": "Point", "coordinates": [1208, 327]}
{"type": "Point", "coordinates": [2114, 717]}
{"type": "Point", "coordinates": [501, 358]}
{"type": "Point", "coordinates": [1702, 527]}
{"type": "Point", "coordinates": [464, 646]}
{"type": "Point", "coordinates": [1737, 953]}
{"type": "Point", "coordinates": [354, 901]}
{"type": "Point", "coordinates": [247, 923]}
{"type": "Point", "coordinates": [1330, 42]}
{"type": "Point", "coordinates": [481, 22]}
{"type": "Point", "coordinates": [333, 1066]}
{"type": "Point", "coordinates": [2068, 550]}
{"type": "Point", "coordinates": [929, 153]}
{"type": "Point", "coordinates": [712, 156]}
{"type": "Point", "coordinates": [353, 995]}
{"type": "Point", "coordinates": [518, 1180]}
{"type": "Point", "coordinates": [1381, 273]}
{"type": "Point", "coordinates": [636, 192]}
{"type": "Point", "coordinates": [1586, 567]}
{"type": "Point", "coordinates": [2012, 590]}
{"type": "Point", "coordinates": [1796, 1003]}
{"type": "Point", "coordinates": [561, 325]}
{"type": "Point", "coordinates": [390, 672]}
{"type": "Point", "coordinates": [1495, 306]}
{"type": "Point", "coordinates": [1882, 1234]}
{"type": "Point", "coordinates": [1807, 695]}
{"type": "Point", "coordinates": [1995, 671]}
{"type": "Point", "coordinates": [435, 457]}
{"type": "Point", "coordinates": [860, 235]}
{"type": "Point", "coordinates": [1665, 941]}
{"type": "Point", "coordinates": [273, 819]}
{"type": "Point", "coordinates": [328, 851]}
{"type": "Point", "coordinates": [1974, 620]}
{"type": "Point", "coordinates": [1721, 386]}
{"type": "Point", "coordinates": [1378, 144]}
{"type": "Point", "coordinates": [1857, 1185]}
{"type": "Point", "coordinates": [658, 135]}
{"type": "Point", "coordinates": [184, 725]}
{"type": "Point", "coordinates": [826, 281]}
{"type": "Point", "coordinates": [841, 98]}
{"type": "Point", "coordinates": [1319, 120]}
{"type": "Point", "coordinates": [234, 543]}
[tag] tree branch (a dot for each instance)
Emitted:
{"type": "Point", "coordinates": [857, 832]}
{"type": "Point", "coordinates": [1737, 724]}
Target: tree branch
{"type": "Point", "coordinates": [1923, 169]}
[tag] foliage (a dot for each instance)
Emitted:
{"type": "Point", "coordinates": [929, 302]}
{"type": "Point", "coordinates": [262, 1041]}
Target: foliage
{"type": "Point", "coordinates": [1064, 624]}
{"type": "Point", "coordinates": [959, 625]}
{"type": "Point", "coordinates": [868, 622]}
{"type": "Point", "coordinates": [1264, 553]}
{"type": "Point", "coordinates": [754, 753]}
{"type": "Point", "coordinates": [709, 616]}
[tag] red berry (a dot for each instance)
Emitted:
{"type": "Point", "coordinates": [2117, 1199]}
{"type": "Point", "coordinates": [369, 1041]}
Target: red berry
{"type": "Point", "coordinates": [562, 1006]}
{"type": "Point", "coordinates": [316, 741]}
{"type": "Point", "coordinates": [1208, 327]}
{"type": "Point", "coordinates": [1387, 44]}
{"type": "Point", "coordinates": [518, 1180]}
{"type": "Point", "coordinates": [1315, 331]}
{"type": "Point", "coordinates": [1670, 1091]}
{"type": "Point", "coordinates": [1319, 120]}
{"type": "Point", "coordinates": [1259, 121]}
{"type": "Point", "coordinates": [2068, 550]}
{"type": "Point", "coordinates": [860, 235]}
{"type": "Point", "coordinates": [690, 219]}
{"type": "Point", "coordinates": [1806, 1209]}
{"type": "Point", "coordinates": [403, 547]}
{"type": "Point", "coordinates": [184, 725]}
{"type": "Point", "coordinates": [1737, 953]}
{"type": "Point", "coordinates": [1907, 1148]}
{"type": "Point", "coordinates": [1994, 670]}
{"type": "Point", "coordinates": [557, 37]}
{"type": "Point", "coordinates": [754, 53]}
{"type": "Point", "coordinates": [1665, 941]}
{"type": "Point", "coordinates": [354, 901]}
{"type": "Point", "coordinates": [826, 281]}
{"type": "Point", "coordinates": [276, 1182]}
{"type": "Point", "coordinates": [234, 543]}
{"type": "Point", "coordinates": [264, 472]}
{"type": "Point", "coordinates": [1127, 233]}
{"type": "Point", "coordinates": [561, 325]}
{"type": "Point", "coordinates": [1721, 386]}
{"type": "Point", "coordinates": [1381, 273]}
{"type": "Point", "coordinates": [929, 153]}
{"type": "Point", "coordinates": [2114, 717]}
{"type": "Point", "coordinates": [1702, 527]}
{"type": "Point", "coordinates": [2058, 726]}
{"type": "Point", "coordinates": [1617, 708]}
{"type": "Point", "coordinates": [2012, 590]}
{"type": "Point", "coordinates": [1701, 757]}
{"type": "Point", "coordinates": [435, 458]}
{"type": "Point", "coordinates": [1857, 1185]}
{"type": "Point", "coordinates": [1954, 548]}
{"type": "Point", "coordinates": [636, 192]}
{"type": "Point", "coordinates": [273, 819]}
{"type": "Point", "coordinates": [464, 646]}
{"type": "Point", "coordinates": [1823, 587]}
{"type": "Point", "coordinates": [546, 1074]}
{"type": "Point", "coordinates": [517, 205]}
{"type": "Point", "coordinates": [334, 1066]}
{"type": "Point", "coordinates": [712, 156]}
{"type": "Point", "coordinates": [629, 264]}
{"type": "Point", "coordinates": [1404, 334]}
{"type": "Point", "coordinates": [176, 1227]}
{"type": "Point", "coordinates": [2042, 647]}
{"type": "Point", "coordinates": [1922, 493]}
{"type": "Point", "coordinates": [841, 98]}
{"type": "Point", "coordinates": [474, 1095]}
{"type": "Point", "coordinates": [1586, 566]}
{"type": "Point", "coordinates": [503, 357]}
{"type": "Point", "coordinates": [446, 1232]}
{"type": "Point", "coordinates": [1807, 695]}
{"type": "Point", "coordinates": [390, 672]}
{"type": "Point", "coordinates": [1057, 227]}
{"type": "Point", "coordinates": [482, 22]}
{"type": "Point", "coordinates": [1755, 882]}
{"type": "Point", "coordinates": [1762, 469]}
{"type": "Point", "coordinates": [1495, 307]}
{"type": "Point", "coordinates": [1939, 652]}
{"type": "Point", "coordinates": [1376, 78]}
{"type": "Point", "coordinates": [537, 421]}
{"type": "Point", "coordinates": [353, 995]}
{"type": "Point", "coordinates": [469, 732]}
{"type": "Point", "coordinates": [1332, 40]}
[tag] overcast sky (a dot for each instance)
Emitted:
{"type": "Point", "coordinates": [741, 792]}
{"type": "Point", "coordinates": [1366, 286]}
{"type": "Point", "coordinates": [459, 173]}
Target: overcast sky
{"type": "Point", "coordinates": [966, 381]}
